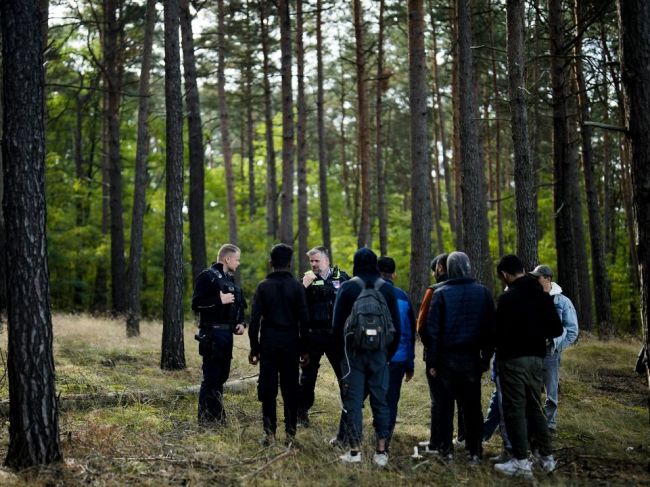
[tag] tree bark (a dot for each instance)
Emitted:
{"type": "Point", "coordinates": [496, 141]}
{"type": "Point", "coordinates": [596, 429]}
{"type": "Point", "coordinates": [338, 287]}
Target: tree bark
{"type": "Point", "coordinates": [475, 224]}
{"type": "Point", "coordinates": [33, 426]}
{"type": "Point", "coordinates": [634, 21]}
{"type": "Point", "coordinates": [303, 225]}
{"type": "Point", "coordinates": [598, 265]}
{"type": "Point", "coordinates": [196, 209]}
{"type": "Point", "coordinates": [455, 98]}
{"type": "Point", "coordinates": [286, 219]}
{"type": "Point", "coordinates": [451, 207]}
{"type": "Point", "coordinates": [3, 234]}
{"type": "Point", "coordinates": [566, 258]}
{"type": "Point", "coordinates": [134, 275]}
{"type": "Point", "coordinates": [421, 216]}
{"type": "Point", "coordinates": [524, 174]}
{"type": "Point", "coordinates": [382, 84]}
{"type": "Point", "coordinates": [322, 142]}
{"type": "Point", "coordinates": [250, 138]}
{"type": "Point", "coordinates": [173, 352]}
{"type": "Point", "coordinates": [363, 139]}
{"type": "Point", "coordinates": [271, 179]}
{"type": "Point", "coordinates": [225, 125]}
{"type": "Point", "coordinates": [113, 66]}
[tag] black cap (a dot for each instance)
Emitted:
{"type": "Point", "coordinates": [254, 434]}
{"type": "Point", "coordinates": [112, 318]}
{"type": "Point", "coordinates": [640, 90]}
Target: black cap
{"type": "Point", "coordinates": [386, 265]}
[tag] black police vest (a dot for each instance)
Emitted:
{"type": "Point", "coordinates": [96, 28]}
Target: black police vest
{"type": "Point", "coordinates": [321, 295]}
{"type": "Point", "coordinates": [231, 314]}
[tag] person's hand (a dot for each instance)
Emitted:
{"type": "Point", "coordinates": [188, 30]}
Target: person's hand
{"type": "Point", "coordinates": [308, 278]}
{"type": "Point", "coordinates": [253, 359]}
{"type": "Point", "coordinates": [239, 329]}
{"type": "Point", "coordinates": [226, 298]}
{"type": "Point", "coordinates": [409, 375]}
{"type": "Point", "coordinates": [433, 372]}
{"type": "Point", "coordinates": [304, 360]}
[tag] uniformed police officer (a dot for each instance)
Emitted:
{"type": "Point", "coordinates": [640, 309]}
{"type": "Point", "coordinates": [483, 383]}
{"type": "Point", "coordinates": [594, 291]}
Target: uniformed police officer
{"type": "Point", "coordinates": [321, 284]}
{"type": "Point", "coordinates": [220, 304]}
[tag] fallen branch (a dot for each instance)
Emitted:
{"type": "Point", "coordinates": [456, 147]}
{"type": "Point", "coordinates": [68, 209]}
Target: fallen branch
{"type": "Point", "coordinates": [288, 452]}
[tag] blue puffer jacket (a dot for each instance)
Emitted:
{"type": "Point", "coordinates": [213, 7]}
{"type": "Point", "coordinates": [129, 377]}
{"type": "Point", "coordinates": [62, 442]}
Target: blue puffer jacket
{"type": "Point", "coordinates": [406, 348]}
{"type": "Point", "coordinates": [460, 323]}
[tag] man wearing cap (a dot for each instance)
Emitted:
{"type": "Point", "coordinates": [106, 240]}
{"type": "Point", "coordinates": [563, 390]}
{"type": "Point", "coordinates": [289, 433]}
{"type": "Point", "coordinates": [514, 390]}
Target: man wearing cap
{"type": "Point", "coordinates": [402, 364]}
{"type": "Point", "coordinates": [567, 313]}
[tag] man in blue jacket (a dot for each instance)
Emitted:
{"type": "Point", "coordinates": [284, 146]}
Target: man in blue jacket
{"type": "Point", "coordinates": [402, 364]}
{"type": "Point", "coordinates": [554, 348]}
{"type": "Point", "coordinates": [459, 337]}
{"type": "Point", "coordinates": [364, 371]}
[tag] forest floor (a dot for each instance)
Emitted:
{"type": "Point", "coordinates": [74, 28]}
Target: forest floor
{"type": "Point", "coordinates": [139, 426]}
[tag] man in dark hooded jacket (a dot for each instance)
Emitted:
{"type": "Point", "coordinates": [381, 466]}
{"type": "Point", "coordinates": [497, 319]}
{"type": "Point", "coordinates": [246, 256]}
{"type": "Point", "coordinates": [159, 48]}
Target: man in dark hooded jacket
{"type": "Point", "coordinates": [365, 371]}
{"type": "Point", "coordinates": [459, 336]}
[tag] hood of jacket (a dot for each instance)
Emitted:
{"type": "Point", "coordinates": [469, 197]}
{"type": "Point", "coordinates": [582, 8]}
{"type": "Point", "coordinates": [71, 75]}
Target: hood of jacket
{"type": "Point", "coordinates": [365, 262]}
{"type": "Point", "coordinates": [458, 266]}
{"type": "Point", "coordinates": [555, 289]}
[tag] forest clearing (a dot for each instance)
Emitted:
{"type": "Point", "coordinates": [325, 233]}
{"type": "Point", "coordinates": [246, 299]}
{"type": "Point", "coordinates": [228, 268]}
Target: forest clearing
{"type": "Point", "coordinates": [151, 437]}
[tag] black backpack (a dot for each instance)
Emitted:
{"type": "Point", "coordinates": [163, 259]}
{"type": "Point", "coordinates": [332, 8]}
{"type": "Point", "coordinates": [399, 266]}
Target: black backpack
{"type": "Point", "coordinates": [369, 328]}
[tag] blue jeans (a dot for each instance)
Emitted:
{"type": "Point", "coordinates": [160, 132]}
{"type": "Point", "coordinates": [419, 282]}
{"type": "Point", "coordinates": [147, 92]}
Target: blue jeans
{"type": "Point", "coordinates": [494, 418]}
{"type": "Point", "coordinates": [551, 381]}
{"type": "Point", "coordinates": [365, 372]}
{"type": "Point", "coordinates": [396, 371]}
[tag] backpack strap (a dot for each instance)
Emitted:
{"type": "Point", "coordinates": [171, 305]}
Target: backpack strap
{"type": "Point", "coordinates": [379, 282]}
{"type": "Point", "coordinates": [359, 282]}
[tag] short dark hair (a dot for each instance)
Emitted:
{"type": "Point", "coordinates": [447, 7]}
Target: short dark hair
{"type": "Point", "coordinates": [386, 265]}
{"type": "Point", "coordinates": [281, 256]}
{"type": "Point", "coordinates": [439, 259]}
{"type": "Point", "coordinates": [511, 264]}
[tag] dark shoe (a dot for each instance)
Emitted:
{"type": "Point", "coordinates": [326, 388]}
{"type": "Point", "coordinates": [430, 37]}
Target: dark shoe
{"type": "Point", "coordinates": [268, 439]}
{"type": "Point", "coordinates": [303, 419]}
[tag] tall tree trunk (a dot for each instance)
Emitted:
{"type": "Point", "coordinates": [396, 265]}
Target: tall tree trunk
{"type": "Point", "coordinates": [537, 125]}
{"type": "Point", "coordinates": [524, 174]}
{"type": "Point", "coordinates": [286, 219]}
{"type": "Point", "coordinates": [173, 351]}
{"type": "Point", "coordinates": [225, 125]}
{"type": "Point", "coordinates": [634, 20]}
{"type": "Point", "coordinates": [113, 61]}
{"type": "Point", "coordinates": [3, 233]}
{"type": "Point", "coordinates": [33, 411]}
{"type": "Point", "coordinates": [303, 225]}
{"type": "Point", "coordinates": [250, 139]}
{"type": "Point", "coordinates": [363, 139]}
{"type": "Point", "coordinates": [322, 142]}
{"type": "Point", "coordinates": [475, 224]}
{"type": "Point", "coordinates": [497, 137]}
{"type": "Point", "coordinates": [442, 132]}
{"type": "Point", "coordinates": [100, 298]}
{"type": "Point", "coordinates": [566, 258]}
{"type": "Point", "coordinates": [455, 99]}
{"type": "Point", "coordinates": [420, 165]}
{"type": "Point", "coordinates": [271, 179]}
{"type": "Point", "coordinates": [599, 270]}
{"type": "Point", "coordinates": [196, 208]}
{"type": "Point", "coordinates": [134, 275]}
{"type": "Point", "coordinates": [382, 83]}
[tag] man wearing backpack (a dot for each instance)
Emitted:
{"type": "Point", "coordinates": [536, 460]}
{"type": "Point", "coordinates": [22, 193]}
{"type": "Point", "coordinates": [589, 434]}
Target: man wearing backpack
{"type": "Point", "coordinates": [366, 327]}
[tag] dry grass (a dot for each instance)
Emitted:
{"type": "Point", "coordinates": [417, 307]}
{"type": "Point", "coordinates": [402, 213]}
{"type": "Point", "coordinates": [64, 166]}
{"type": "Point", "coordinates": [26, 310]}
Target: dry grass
{"type": "Point", "coordinates": [603, 436]}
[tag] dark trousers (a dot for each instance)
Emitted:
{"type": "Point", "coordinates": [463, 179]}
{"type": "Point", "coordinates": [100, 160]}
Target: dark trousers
{"type": "Point", "coordinates": [319, 345]}
{"type": "Point", "coordinates": [217, 356]}
{"type": "Point", "coordinates": [279, 360]}
{"type": "Point", "coordinates": [460, 381]}
{"type": "Point", "coordinates": [396, 371]}
{"type": "Point", "coordinates": [365, 373]}
{"type": "Point", "coordinates": [434, 434]}
{"type": "Point", "coordinates": [521, 381]}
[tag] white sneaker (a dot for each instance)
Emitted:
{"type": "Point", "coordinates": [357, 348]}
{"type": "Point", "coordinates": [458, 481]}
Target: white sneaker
{"type": "Point", "coordinates": [547, 463]}
{"type": "Point", "coordinates": [429, 451]}
{"type": "Point", "coordinates": [380, 459]}
{"type": "Point", "coordinates": [516, 468]}
{"type": "Point", "coordinates": [350, 458]}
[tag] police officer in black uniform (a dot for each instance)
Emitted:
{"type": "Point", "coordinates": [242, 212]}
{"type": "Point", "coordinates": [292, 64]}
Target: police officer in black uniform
{"type": "Point", "coordinates": [220, 304]}
{"type": "Point", "coordinates": [321, 284]}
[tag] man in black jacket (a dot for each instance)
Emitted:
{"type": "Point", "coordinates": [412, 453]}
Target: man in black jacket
{"type": "Point", "coordinates": [526, 319]}
{"type": "Point", "coordinates": [220, 304]}
{"type": "Point", "coordinates": [459, 336]}
{"type": "Point", "coordinates": [321, 284]}
{"type": "Point", "coordinates": [362, 370]}
{"type": "Point", "coordinates": [280, 316]}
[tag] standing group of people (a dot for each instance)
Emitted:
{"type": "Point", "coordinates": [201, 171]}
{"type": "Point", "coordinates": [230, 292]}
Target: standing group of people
{"type": "Point", "coordinates": [366, 328]}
